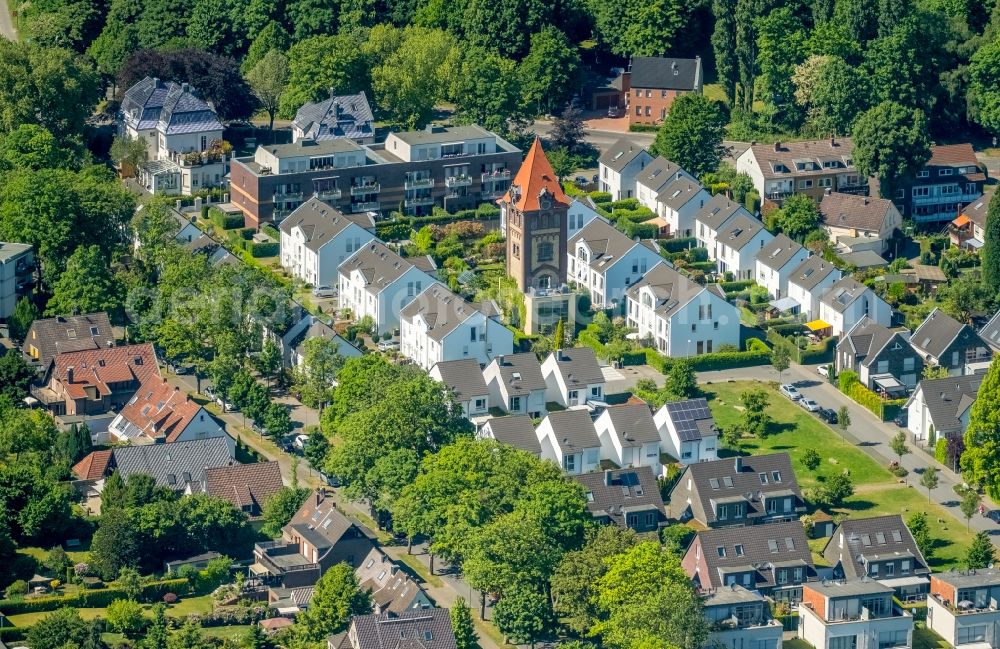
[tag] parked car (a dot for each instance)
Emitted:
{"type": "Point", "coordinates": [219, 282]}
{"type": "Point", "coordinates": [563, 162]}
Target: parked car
{"type": "Point", "coordinates": [580, 180]}
{"type": "Point", "coordinates": [902, 419]}
{"type": "Point", "coordinates": [226, 406]}
{"type": "Point", "coordinates": [828, 415]}
{"type": "Point", "coordinates": [993, 515]}
{"type": "Point", "coordinates": [386, 345]}
{"type": "Point", "coordinates": [809, 405]}
{"type": "Point", "coordinates": [824, 370]}
{"type": "Point", "coordinates": [790, 391]}
{"type": "Point", "coordinates": [325, 291]}
{"type": "Point", "coordinates": [209, 392]}
{"type": "Point", "coordinates": [300, 441]}
{"type": "Point", "coordinates": [614, 112]}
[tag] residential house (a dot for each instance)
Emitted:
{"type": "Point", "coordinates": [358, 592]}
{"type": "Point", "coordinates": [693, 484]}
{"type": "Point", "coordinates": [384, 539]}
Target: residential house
{"type": "Point", "coordinates": [810, 281]}
{"type": "Point", "coordinates": [968, 230]}
{"type": "Point", "coordinates": [628, 498]}
{"type": "Point", "coordinates": [94, 381]}
{"type": "Point", "coordinates": [463, 378]}
{"type": "Point", "coordinates": [853, 217]}
{"type": "Point", "coordinates": [656, 175]}
{"type": "Point", "coordinates": [580, 213]}
{"type": "Point", "coordinates": [714, 216]}
{"type": "Point", "coordinates": [962, 608]}
{"type": "Point", "coordinates": [629, 436]}
{"type": "Point", "coordinates": [620, 166]}
{"type": "Point", "coordinates": [772, 559]}
{"type": "Point", "coordinates": [652, 83]}
{"type": "Point", "coordinates": [318, 537]}
{"type": "Point", "coordinates": [836, 614]}
{"type": "Point", "coordinates": [392, 590]}
{"type": "Point", "coordinates": [439, 326]}
{"type": "Point", "coordinates": [91, 471]}
{"type": "Point", "coordinates": [940, 408]}
{"type": "Point", "coordinates": [48, 337]}
{"type": "Point", "coordinates": [990, 333]}
{"type": "Point", "coordinates": [423, 629]}
{"type": "Point", "coordinates": [880, 548]}
{"type": "Point", "coordinates": [568, 438]}
{"type": "Point", "coordinates": [677, 204]}
{"type": "Point", "coordinates": [160, 412]}
{"type": "Point", "coordinates": [950, 179]}
{"type": "Point", "coordinates": [682, 317]}
{"type": "Point", "coordinates": [337, 117]}
{"type": "Point", "coordinates": [809, 167]}
{"type": "Point", "coordinates": [185, 151]}
{"type": "Point", "coordinates": [180, 466]}
{"type": "Point", "coordinates": [687, 431]}
{"type": "Point", "coordinates": [516, 384]}
{"type": "Point", "coordinates": [312, 327]}
{"type": "Point", "coordinates": [246, 486]}
{"type": "Point", "coordinates": [514, 430]}
{"type": "Point", "coordinates": [775, 263]}
{"type": "Point", "coordinates": [882, 357]}
{"type": "Point", "coordinates": [737, 491]}
{"type": "Point", "coordinates": [317, 238]}
{"type": "Point", "coordinates": [198, 562]}
{"type": "Point", "coordinates": [377, 282]}
{"type": "Point", "coordinates": [737, 245]}
{"type": "Point", "coordinates": [605, 261]}
{"type": "Point", "coordinates": [573, 377]}
{"type": "Point", "coordinates": [945, 342]}
{"type": "Point", "coordinates": [454, 167]}
{"type": "Point", "coordinates": [17, 271]}
{"type": "Point", "coordinates": [740, 618]}
{"type": "Point", "coordinates": [847, 301]}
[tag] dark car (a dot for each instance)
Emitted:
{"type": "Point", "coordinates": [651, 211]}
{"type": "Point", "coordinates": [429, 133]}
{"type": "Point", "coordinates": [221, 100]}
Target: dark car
{"type": "Point", "coordinates": [901, 419]}
{"type": "Point", "coordinates": [828, 415]}
{"type": "Point", "coordinates": [993, 515]}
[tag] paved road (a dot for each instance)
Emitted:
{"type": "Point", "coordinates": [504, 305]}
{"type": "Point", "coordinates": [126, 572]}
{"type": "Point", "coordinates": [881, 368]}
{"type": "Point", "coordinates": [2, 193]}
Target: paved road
{"type": "Point", "coordinates": [871, 434]}
{"type": "Point", "coordinates": [6, 23]}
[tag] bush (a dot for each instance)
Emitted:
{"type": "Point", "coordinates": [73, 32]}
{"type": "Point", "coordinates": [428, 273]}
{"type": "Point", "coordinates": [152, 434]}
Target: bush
{"type": "Point", "coordinates": [757, 345]}
{"type": "Point", "coordinates": [170, 598]}
{"type": "Point", "coordinates": [680, 245]}
{"type": "Point", "coordinates": [392, 230]}
{"type": "Point", "coordinates": [271, 231]}
{"type": "Point", "coordinates": [600, 197]}
{"type": "Point", "coordinates": [941, 451]}
{"type": "Point", "coordinates": [225, 221]}
{"type": "Point", "coordinates": [247, 233]}
{"type": "Point", "coordinates": [752, 202]}
{"type": "Point", "coordinates": [266, 249]}
{"type": "Point", "coordinates": [97, 598]}
{"type": "Point", "coordinates": [643, 128]}
{"type": "Point", "coordinates": [16, 590]}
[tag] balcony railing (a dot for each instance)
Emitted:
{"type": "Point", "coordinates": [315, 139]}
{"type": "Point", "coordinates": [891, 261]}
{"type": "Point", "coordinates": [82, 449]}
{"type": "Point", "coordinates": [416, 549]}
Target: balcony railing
{"type": "Point", "coordinates": [328, 194]}
{"type": "Point", "coordinates": [419, 201]}
{"type": "Point", "coordinates": [370, 206]}
{"type": "Point", "coordinates": [777, 196]}
{"type": "Point", "coordinates": [419, 183]}
{"type": "Point", "coordinates": [945, 199]}
{"type": "Point", "coordinates": [457, 181]}
{"type": "Point", "coordinates": [500, 174]}
{"type": "Point", "coordinates": [857, 188]}
{"type": "Point", "coordinates": [290, 196]}
{"type": "Point", "coordinates": [362, 190]}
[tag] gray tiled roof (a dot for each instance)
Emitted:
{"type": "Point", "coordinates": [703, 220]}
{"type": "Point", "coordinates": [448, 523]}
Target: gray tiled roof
{"type": "Point", "coordinates": [936, 333]}
{"type": "Point", "coordinates": [320, 523]}
{"type": "Point", "coordinates": [464, 377]}
{"type": "Point", "coordinates": [778, 252]}
{"type": "Point", "coordinates": [883, 536]}
{"type": "Point", "coordinates": [947, 399]}
{"type": "Point", "coordinates": [976, 211]}
{"type": "Point", "coordinates": [769, 156]}
{"type": "Point", "coordinates": [51, 336]}
{"type": "Point", "coordinates": [864, 259]}
{"type": "Point", "coordinates": [678, 193]}
{"type": "Point", "coordinates": [442, 310]}
{"type": "Point", "coordinates": [517, 431]}
{"type": "Point", "coordinates": [435, 134]}
{"type": "Point", "coordinates": [635, 422]}
{"type": "Point", "coordinates": [620, 154]}
{"type": "Point", "coordinates": [391, 588]}
{"type": "Point", "coordinates": [573, 430]}
{"type": "Point", "coordinates": [664, 73]}
{"type": "Point", "coordinates": [991, 331]}
{"type": "Point", "coordinates": [867, 339]}
{"type": "Point", "coordinates": [739, 231]}
{"type": "Point", "coordinates": [177, 464]}
{"type": "Point", "coordinates": [578, 367]}
{"type": "Point", "coordinates": [672, 289]}
{"type": "Point", "coordinates": [521, 373]}
{"type": "Point", "coordinates": [319, 329]}
{"type": "Point", "coordinates": [320, 222]}
{"type": "Point", "coordinates": [811, 272]}
{"type": "Point", "coordinates": [658, 174]}
{"type": "Point", "coordinates": [850, 211]}
{"type": "Point", "coordinates": [607, 244]}
{"type": "Point", "coordinates": [424, 629]}
{"type": "Point", "coordinates": [167, 106]}
{"type": "Point", "coordinates": [691, 419]}
{"type": "Point", "coordinates": [378, 264]}
{"type": "Point", "coordinates": [843, 293]}
{"type": "Point", "coordinates": [718, 211]}
{"type": "Point", "coordinates": [763, 546]}
{"type": "Point", "coordinates": [617, 493]}
{"type": "Point", "coordinates": [339, 116]}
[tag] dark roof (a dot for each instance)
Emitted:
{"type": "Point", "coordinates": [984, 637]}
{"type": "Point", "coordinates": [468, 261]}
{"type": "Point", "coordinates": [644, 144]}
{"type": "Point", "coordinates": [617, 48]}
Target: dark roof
{"type": "Point", "coordinates": [864, 259]}
{"type": "Point", "coordinates": [867, 339]}
{"type": "Point", "coordinates": [672, 290]}
{"type": "Point", "coordinates": [811, 272]}
{"type": "Point", "coordinates": [577, 366]}
{"type": "Point", "coordinates": [169, 107]}
{"type": "Point", "coordinates": [633, 422]}
{"type": "Point", "coordinates": [737, 477]}
{"type": "Point", "coordinates": [761, 548]}
{"type": "Point", "coordinates": [789, 155]}
{"type": "Point", "coordinates": [51, 336]}
{"type": "Point", "coordinates": [739, 231]}
{"type": "Point", "coordinates": [991, 331]}
{"type": "Point", "coordinates": [244, 485]}
{"type": "Point", "coordinates": [319, 329]}
{"type": "Point", "coordinates": [573, 430]}
{"type": "Point", "coordinates": [665, 73]}
{"type": "Point", "coordinates": [778, 252]}
{"type": "Point", "coordinates": [464, 377]}
{"type": "Point", "coordinates": [936, 333]}
{"type": "Point", "coordinates": [520, 373]}
{"type": "Point", "coordinates": [947, 399]}
{"type": "Point", "coordinates": [320, 522]}
{"type": "Point", "coordinates": [843, 293]}
{"type": "Point", "coordinates": [881, 536]}
{"type": "Point", "coordinates": [620, 154]}
{"type": "Point", "coordinates": [516, 430]}
{"type": "Point", "coordinates": [691, 419]}
{"type": "Point", "coordinates": [977, 210]}
{"type": "Point", "coordinates": [718, 211]}
{"type": "Point", "coordinates": [679, 193]}
{"type": "Point", "coordinates": [442, 310]}
{"type": "Point", "coordinates": [321, 223]}
{"type": "Point", "coordinates": [857, 212]}
{"type": "Point", "coordinates": [379, 265]}
{"type": "Point", "coordinates": [607, 244]}
{"type": "Point", "coordinates": [339, 116]}
{"type": "Point", "coordinates": [423, 629]}
{"type": "Point", "coordinates": [177, 464]}
{"type": "Point", "coordinates": [615, 494]}
{"type": "Point", "coordinates": [659, 173]}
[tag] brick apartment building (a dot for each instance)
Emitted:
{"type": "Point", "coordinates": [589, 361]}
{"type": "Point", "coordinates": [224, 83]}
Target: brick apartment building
{"type": "Point", "coordinates": [455, 167]}
{"type": "Point", "coordinates": [810, 167]}
{"type": "Point", "coordinates": [651, 84]}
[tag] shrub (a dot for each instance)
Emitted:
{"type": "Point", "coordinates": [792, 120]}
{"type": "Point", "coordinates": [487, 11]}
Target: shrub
{"type": "Point", "coordinates": [225, 221]}
{"type": "Point", "coordinates": [392, 230]}
{"type": "Point", "coordinates": [600, 197]}
{"type": "Point", "coordinates": [680, 245]}
{"type": "Point", "coordinates": [16, 590]}
{"type": "Point", "coordinates": [271, 231]}
{"type": "Point", "coordinates": [266, 249]}
{"type": "Point", "coordinates": [941, 451]}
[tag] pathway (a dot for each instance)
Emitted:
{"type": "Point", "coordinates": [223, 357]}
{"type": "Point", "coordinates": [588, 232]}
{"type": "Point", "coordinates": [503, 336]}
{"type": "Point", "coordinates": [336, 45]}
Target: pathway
{"type": "Point", "coordinates": [6, 22]}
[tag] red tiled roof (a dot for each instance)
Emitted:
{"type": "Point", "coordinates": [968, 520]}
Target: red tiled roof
{"type": "Point", "coordinates": [244, 485]}
{"type": "Point", "coordinates": [94, 466]}
{"type": "Point", "coordinates": [99, 367]}
{"type": "Point", "coordinates": [953, 154]}
{"type": "Point", "coordinates": [160, 410]}
{"type": "Point", "coordinates": [535, 175]}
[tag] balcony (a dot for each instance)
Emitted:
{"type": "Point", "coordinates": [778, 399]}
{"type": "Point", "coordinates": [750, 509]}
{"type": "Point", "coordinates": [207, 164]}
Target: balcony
{"type": "Point", "coordinates": [419, 201]}
{"type": "Point", "coordinates": [857, 190]}
{"type": "Point", "coordinates": [777, 196]}
{"type": "Point", "coordinates": [363, 190]}
{"type": "Point", "coordinates": [328, 194]}
{"type": "Point", "coordinates": [290, 196]}
{"type": "Point", "coordinates": [280, 558]}
{"type": "Point", "coordinates": [499, 174]}
{"type": "Point", "coordinates": [945, 199]}
{"type": "Point", "coordinates": [370, 206]}
{"type": "Point", "coordinates": [419, 183]}
{"type": "Point", "coordinates": [458, 181]}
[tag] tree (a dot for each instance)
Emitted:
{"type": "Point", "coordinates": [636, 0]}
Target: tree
{"type": "Point", "coordinates": [321, 361]}
{"type": "Point", "coordinates": [549, 74]}
{"type": "Point", "coordinates": [980, 461]}
{"type": "Point", "coordinates": [991, 246]}
{"type": "Point", "coordinates": [128, 153]}
{"type": "Point", "coordinates": [316, 449]}
{"type": "Point", "coordinates": [461, 625]}
{"type": "Point", "coordinates": [830, 90]}
{"type": "Point", "coordinates": [415, 76]}
{"type": "Point", "coordinates": [969, 505]}
{"type": "Point", "coordinates": [504, 28]}
{"type": "Point", "coordinates": [126, 617]}
{"type": "Point", "coordinates": [811, 459]}
{"type": "Point", "coordinates": [755, 419]}
{"type": "Point", "coordinates": [57, 629]}
{"type": "Point", "coordinates": [917, 524]}
{"type": "Point", "coordinates": [115, 545]}
{"type": "Point", "coordinates": [898, 445]}
{"type": "Point", "coordinates": [522, 614]}
{"type": "Point", "coordinates": [836, 490]}
{"type": "Point", "coordinates": [781, 44]}
{"type": "Point", "coordinates": [647, 600]}
{"type": "Point", "coordinates": [891, 141]}
{"type": "Point", "coordinates": [568, 130]}
{"type": "Point", "coordinates": [843, 419]}
{"type": "Point", "coordinates": [487, 91]}
{"type": "Point", "coordinates": [797, 217]}
{"type": "Point", "coordinates": [984, 86]}
{"type": "Point", "coordinates": [268, 79]}
{"type": "Point", "coordinates": [981, 552]}
{"type": "Point", "coordinates": [87, 285]}
{"type": "Point", "coordinates": [680, 380]}
{"type": "Point", "coordinates": [279, 509]}
{"type": "Point", "coordinates": [724, 46]}
{"type": "Point", "coordinates": [268, 361]}
{"type": "Point", "coordinates": [934, 372]}
{"type": "Point", "coordinates": [691, 135]}
{"type": "Point", "coordinates": [780, 360]}
{"type": "Point", "coordinates": [562, 162]}
{"type": "Point", "coordinates": [336, 599]}
{"type": "Point", "coordinates": [219, 26]}
{"type": "Point", "coordinates": [276, 420]}
{"type": "Point", "coordinates": [16, 377]}
{"type": "Point", "coordinates": [25, 312]}
{"type": "Point", "coordinates": [929, 480]}
{"type": "Point", "coordinates": [130, 581]}
{"type": "Point", "coordinates": [259, 639]}
{"type": "Point", "coordinates": [320, 66]}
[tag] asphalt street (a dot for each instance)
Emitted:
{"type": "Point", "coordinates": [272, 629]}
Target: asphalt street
{"type": "Point", "coordinates": [6, 24]}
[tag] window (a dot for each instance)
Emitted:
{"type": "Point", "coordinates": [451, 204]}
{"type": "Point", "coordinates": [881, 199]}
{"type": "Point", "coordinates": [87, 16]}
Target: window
{"type": "Point", "coordinates": [923, 173]}
{"type": "Point", "coordinates": [516, 251]}
{"type": "Point", "coordinates": [954, 359]}
{"type": "Point", "coordinates": [648, 111]}
{"type": "Point", "coordinates": [776, 476]}
{"type": "Point", "coordinates": [873, 570]}
{"type": "Point", "coordinates": [638, 109]}
{"type": "Point", "coordinates": [480, 404]}
{"type": "Point", "coordinates": [650, 519]}
{"type": "Point", "coordinates": [472, 334]}
{"type": "Point", "coordinates": [739, 550]}
{"type": "Point", "coordinates": [805, 184]}
{"type": "Point", "coordinates": [825, 182]}
{"type": "Point", "coordinates": [515, 403]}
{"type": "Point", "coordinates": [892, 639]}
{"type": "Point", "coordinates": [900, 193]}
{"type": "Point", "coordinates": [649, 93]}
{"type": "Point", "coordinates": [722, 551]}
{"type": "Point", "coordinates": [763, 478]}
{"type": "Point", "coordinates": [919, 192]}
{"type": "Point", "coordinates": [947, 171]}
{"type": "Point", "coordinates": [904, 567]}
{"type": "Point", "coordinates": [569, 462]}
{"type": "Point", "coordinates": [843, 642]}
{"type": "Point", "coordinates": [970, 634]}
{"type": "Point", "coordinates": [633, 520]}
{"type": "Point", "coordinates": [909, 364]}
{"type": "Point", "coordinates": [545, 251]}
{"type": "Point", "coordinates": [890, 570]}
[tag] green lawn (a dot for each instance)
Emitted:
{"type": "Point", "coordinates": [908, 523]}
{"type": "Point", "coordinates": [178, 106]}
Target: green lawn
{"type": "Point", "coordinates": [795, 643]}
{"type": "Point", "coordinates": [877, 492]}
{"type": "Point", "coordinates": [78, 555]}
{"type": "Point", "coordinates": [235, 632]}
{"type": "Point", "coordinates": [186, 606]}
{"type": "Point", "coordinates": [926, 639]}
{"type": "Point", "coordinates": [25, 620]}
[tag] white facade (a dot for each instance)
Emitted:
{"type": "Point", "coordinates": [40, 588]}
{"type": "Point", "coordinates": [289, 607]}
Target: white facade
{"type": "Point", "coordinates": [575, 461]}
{"type": "Point", "coordinates": [775, 280]}
{"type": "Point", "coordinates": [578, 216]}
{"type": "Point", "coordinates": [17, 263]}
{"type": "Point", "coordinates": [477, 336]}
{"type": "Point", "coordinates": [680, 218]}
{"type": "Point", "coordinates": [319, 267]}
{"type": "Point", "coordinates": [704, 449]}
{"type": "Point", "coordinates": [511, 396]}
{"type": "Point", "coordinates": [808, 296]}
{"type": "Point", "coordinates": [200, 426]}
{"type": "Point", "coordinates": [565, 395]}
{"type": "Point", "coordinates": [976, 628]}
{"type": "Point", "coordinates": [856, 633]}
{"type": "Point", "coordinates": [700, 325]}
{"type": "Point", "coordinates": [621, 184]}
{"type": "Point", "coordinates": [920, 423]}
{"type": "Point", "coordinates": [843, 318]}
{"type": "Point", "coordinates": [473, 405]}
{"type": "Point", "coordinates": [632, 455]}
{"type": "Point", "coordinates": [741, 260]}
{"type": "Point", "coordinates": [381, 301]}
{"type": "Point", "coordinates": [607, 282]}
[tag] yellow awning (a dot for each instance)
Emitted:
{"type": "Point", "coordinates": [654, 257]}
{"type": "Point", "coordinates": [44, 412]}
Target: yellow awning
{"type": "Point", "coordinates": [817, 325]}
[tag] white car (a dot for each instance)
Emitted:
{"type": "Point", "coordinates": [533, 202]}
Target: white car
{"type": "Point", "coordinates": [789, 391]}
{"type": "Point", "coordinates": [325, 291]}
{"type": "Point", "coordinates": [809, 405]}
{"type": "Point", "coordinates": [824, 370]}
{"type": "Point", "coordinates": [386, 345]}
{"type": "Point", "coordinates": [300, 441]}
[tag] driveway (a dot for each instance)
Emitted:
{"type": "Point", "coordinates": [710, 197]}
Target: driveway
{"type": "Point", "coordinates": [869, 432]}
{"type": "Point", "coordinates": [6, 23]}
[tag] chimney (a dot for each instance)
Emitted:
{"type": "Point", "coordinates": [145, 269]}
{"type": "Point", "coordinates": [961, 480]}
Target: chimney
{"type": "Point", "coordinates": [833, 140]}
{"type": "Point", "coordinates": [156, 82]}
{"type": "Point", "coordinates": [738, 464]}
{"type": "Point", "coordinates": [69, 374]}
{"type": "Point", "coordinates": [777, 146]}
{"type": "Point", "coordinates": [185, 87]}
{"type": "Point", "coordinates": [607, 477]}
{"type": "Point", "coordinates": [827, 191]}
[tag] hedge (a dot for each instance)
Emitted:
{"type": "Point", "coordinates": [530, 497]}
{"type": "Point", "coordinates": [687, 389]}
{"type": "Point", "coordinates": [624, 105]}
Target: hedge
{"type": "Point", "coordinates": [752, 202]}
{"type": "Point", "coordinates": [717, 360]}
{"type": "Point", "coordinates": [884, 410]}
{"type": "Point", "coordinates": [393, 230]}
{"type": "Point", "coordinates": [703, 266]}
{"type": "Point", "coordinates": [600, 197]}
{"type": "Point", "coordinates": [728, 287]}
{"type": "Point", "coordinates": [97, 598]}
{"type": "Point", "coordinates": [643, 128]}
{"type": "Point", "coordinates": [225, 221]}
{"type": "Point", "coordinates": [641, 230]}
{"type": "Point", "coordinates": [757, 345]}
{"type": "Point", "coordinates": [271, 231]}
{"type": "Point", "coordinates": [678, 245]}
{"type": "Point", "coordinates": [825, 354]}
{"type": "Point", "coordinates": [265, 249]}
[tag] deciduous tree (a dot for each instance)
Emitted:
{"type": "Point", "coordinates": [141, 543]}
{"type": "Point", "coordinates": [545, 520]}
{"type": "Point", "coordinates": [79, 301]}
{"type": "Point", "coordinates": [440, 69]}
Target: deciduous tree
{"type": "Point", "coordinates": [691, 135]}
{"type": "Point", "coordinates": [87, 285]}
{"type": "Point", "coordinates": [890, 141]}
{"type": "Point", "coordinates": [981, 552]}
{"type": "Point", "coordinates": [981, 459]}
{"type": "Point", "coordinates": [268, 79]}
{"type": "Point", "coordinates": [462, 627]}
{"type": "Point", "coordinates": [929, 480]}
{"type": "Point", "coordinates": [336, 599]}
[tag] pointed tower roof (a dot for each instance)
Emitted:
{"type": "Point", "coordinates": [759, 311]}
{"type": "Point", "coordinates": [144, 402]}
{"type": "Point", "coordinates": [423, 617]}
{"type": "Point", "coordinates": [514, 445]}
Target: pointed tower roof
{"type": "Point", "coordinates": [535, 175]}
